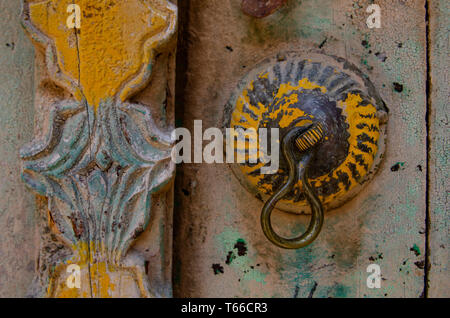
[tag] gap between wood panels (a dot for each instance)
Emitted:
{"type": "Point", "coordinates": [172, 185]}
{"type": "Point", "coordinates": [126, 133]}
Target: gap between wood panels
{"type": "Point", "coordinates": [428, 148]}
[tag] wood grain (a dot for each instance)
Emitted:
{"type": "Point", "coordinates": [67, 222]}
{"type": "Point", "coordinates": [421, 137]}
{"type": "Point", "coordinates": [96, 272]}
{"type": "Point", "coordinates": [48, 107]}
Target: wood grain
{"type": "Point", "coordinates": [18, 246]}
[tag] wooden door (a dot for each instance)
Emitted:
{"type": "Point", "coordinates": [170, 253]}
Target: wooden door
{"type": "Point", "coordinates": [397, 222]}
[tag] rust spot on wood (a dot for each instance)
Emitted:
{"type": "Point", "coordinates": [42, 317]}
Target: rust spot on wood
{"type": "Point", "coordinates": [261, 8]}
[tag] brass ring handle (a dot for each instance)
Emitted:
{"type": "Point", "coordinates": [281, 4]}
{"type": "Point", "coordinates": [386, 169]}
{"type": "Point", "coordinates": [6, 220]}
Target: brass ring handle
{"type": "Point", "coordinates": [304, 139]}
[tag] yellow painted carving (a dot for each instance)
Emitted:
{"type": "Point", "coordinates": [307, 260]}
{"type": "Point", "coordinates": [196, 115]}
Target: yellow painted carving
{"type": "Point", "coordinates": [111, 55]}
{"type": "Point", "coordinates": [96, 277]}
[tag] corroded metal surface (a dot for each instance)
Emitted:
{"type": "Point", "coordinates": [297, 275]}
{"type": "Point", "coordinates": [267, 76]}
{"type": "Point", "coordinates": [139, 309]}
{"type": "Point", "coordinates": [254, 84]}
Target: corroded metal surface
{"type": "Point", "coordinates": [291, 91]}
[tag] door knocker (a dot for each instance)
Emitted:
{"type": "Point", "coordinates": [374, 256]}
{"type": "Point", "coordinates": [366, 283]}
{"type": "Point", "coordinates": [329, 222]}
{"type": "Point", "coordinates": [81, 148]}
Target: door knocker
{"type": "Point", "coordinates": [332, 129]}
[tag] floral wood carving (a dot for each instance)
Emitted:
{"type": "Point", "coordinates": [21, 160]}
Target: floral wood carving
{"type": "Point", "coordinates": [103, 158]}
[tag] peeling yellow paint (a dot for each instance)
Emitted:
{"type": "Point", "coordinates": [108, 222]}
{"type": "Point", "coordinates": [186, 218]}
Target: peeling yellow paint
{"type": "Point", "coordinates": [97, 275]}
{"type": "Point", "coordinates": [112, 53]}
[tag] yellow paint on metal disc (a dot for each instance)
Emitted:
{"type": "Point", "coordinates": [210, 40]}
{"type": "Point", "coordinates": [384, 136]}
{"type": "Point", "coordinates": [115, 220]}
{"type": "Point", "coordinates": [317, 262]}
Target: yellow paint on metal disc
{"type": "Point", "coordinates": [363, 131]}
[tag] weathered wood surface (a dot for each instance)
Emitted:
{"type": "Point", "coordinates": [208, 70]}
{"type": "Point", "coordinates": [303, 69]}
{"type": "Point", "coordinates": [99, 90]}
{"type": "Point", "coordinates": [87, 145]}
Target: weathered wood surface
{"type": "Point", "coordinates": [438, 277]}
{"type": "Point", "coordinates": [218, 221]}
{"type": "Point", "coordinates": [18, 247]}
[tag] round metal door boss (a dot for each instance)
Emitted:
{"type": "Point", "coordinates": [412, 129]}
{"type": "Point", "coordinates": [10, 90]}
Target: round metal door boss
{"type": "Point", "coordinates": [294, 90]}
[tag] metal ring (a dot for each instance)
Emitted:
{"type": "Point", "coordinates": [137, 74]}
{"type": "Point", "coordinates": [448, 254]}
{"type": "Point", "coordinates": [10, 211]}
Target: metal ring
{"type": "Point", "coordinates": [296, 172]}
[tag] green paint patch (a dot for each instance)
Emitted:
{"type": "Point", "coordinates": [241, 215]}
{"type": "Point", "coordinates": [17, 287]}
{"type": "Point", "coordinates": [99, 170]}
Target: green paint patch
{"type": "Point", "coordinates": [341, 291]}
{"type": "Point", "coordinates": [254, 275]}
{"type": "Point", "coordinates": [415, 249]}
{"type": "Point", "coordinates": [236, 252]}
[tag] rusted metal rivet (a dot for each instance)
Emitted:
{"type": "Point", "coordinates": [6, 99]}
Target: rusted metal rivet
{"type": "Point", "coordinates": [261, 8]}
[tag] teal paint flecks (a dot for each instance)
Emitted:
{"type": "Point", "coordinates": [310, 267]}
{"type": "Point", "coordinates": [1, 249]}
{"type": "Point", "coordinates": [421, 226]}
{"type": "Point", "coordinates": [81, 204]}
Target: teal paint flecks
{"type": "Point", "coordinates": [416, 250]}
{"type": "Point", "coordinates": [298, 268]}
{"type": "Point", "coordinates": [242, 263]}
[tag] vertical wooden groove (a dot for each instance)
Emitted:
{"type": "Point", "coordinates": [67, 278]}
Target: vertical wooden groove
{"type": "Point", "coordinates": [182, 60]}
{"type": "Point", "coordinates": [180, 87]}
{"type": "Point", "coordinates": [428, 149]}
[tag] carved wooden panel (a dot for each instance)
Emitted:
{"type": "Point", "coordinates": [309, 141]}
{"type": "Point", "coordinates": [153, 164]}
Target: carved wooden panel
{"type": "Point", "coordinates": [103, 166]}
